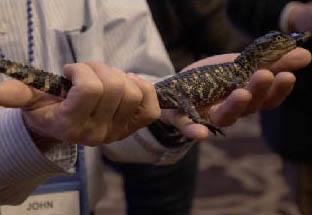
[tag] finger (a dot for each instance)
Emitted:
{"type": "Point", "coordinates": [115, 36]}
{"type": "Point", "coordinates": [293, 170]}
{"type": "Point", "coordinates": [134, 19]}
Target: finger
{"type": "Point", "coordinates": [184, 124]}
{"type": "Point", "coordinates": [259, 85]}
{"type": "Point", "coordinates": [212, 60]}
{"type": "Point", "coordinates": [281, 88]}
{"type": "Point", "coordinates": [227, 112]}
{"type": "Point", "coordinates": [149, 107]}
{"type": "Point", "coordinates": [15, 94]}
{"type": "Point", "coordinates": [130, 102]}
{"type": "Point", "coordinates": [113, 82]}
{"type": "Point", "coordinates": [292, 61]}
{"type": "Point", "coordinates": [194, 131]}
{"type": "Point", "coordinates": [84, 95]}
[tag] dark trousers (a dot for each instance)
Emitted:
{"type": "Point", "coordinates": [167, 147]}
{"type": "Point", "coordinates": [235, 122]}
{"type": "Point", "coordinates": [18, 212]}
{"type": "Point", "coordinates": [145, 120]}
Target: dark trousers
{"type": "Point", "coordinates": [288, 130]}
{"type": "Point", "coordinates": [153, 190]}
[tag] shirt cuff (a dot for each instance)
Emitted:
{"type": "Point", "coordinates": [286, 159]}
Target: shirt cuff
{"type": "Point", "coordinates": [284, 17]}
{"type": "Point", "coordinates": [19, 156]}
{"type": "Point", "coordinates": [143, 147]}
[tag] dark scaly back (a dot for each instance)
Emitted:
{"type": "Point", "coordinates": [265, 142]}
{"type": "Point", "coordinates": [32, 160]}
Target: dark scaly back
{"type": "Point", "coordinates": [208, 84]}
{"type": "Point", "coordinates": [202, 85]}
{"type": "Point", "coordinates": [264, 51]}
{"type": "Point", "coordinates": [47, 82]}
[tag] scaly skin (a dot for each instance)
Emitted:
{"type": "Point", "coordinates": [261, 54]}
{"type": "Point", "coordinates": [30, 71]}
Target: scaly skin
{"type": "Point", "coordinates": [206, 85]}
{"type": "Point", "coordinates": [197, 87]}
{"type": "Point", "coordinates": [44, 81]}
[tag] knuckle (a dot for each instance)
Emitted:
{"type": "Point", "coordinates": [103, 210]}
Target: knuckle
{"type": "Point", "coordinates": [150, 88]}
{"type": "Point", "coordinates": [116, 84]}
{"type": "Point", "coordinates": [154, 114]}
{"type": "Point", "coordinates": [134, 96]}
{"type": "Point", "coordinates": [92, 88]}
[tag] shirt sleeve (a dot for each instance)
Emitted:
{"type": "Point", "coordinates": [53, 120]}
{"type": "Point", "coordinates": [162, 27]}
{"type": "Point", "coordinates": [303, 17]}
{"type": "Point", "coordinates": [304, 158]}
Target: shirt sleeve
{"type": "Point", "coordinates": [22, 165]}
{"type": "Point", "coordinates": [143, 147]}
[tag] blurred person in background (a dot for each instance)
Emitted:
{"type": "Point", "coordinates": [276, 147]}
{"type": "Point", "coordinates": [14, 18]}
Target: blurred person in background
{"type": "Point", "coordinates": [286, 129]}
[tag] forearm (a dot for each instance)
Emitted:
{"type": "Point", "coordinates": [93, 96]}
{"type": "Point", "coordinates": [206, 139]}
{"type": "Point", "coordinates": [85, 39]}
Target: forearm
{"type": "Point", "coordinates": [21, 162]}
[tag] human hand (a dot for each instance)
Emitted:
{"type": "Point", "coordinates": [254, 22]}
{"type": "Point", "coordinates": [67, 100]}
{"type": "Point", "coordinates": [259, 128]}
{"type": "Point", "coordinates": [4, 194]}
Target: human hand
{"type": "Point", "coordinates": [300, 17]}
{"type": "Point", "coordinates": [104, 105]}
{"type": "Point", "coordinates": [264, 91]}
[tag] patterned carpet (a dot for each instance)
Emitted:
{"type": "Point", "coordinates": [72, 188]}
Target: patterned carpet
{"type": "Point", "coordinates": [238, 175]}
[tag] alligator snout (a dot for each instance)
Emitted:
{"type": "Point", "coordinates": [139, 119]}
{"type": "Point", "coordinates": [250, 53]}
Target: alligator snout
{"type": "Point", "coordinates": [301, 37]}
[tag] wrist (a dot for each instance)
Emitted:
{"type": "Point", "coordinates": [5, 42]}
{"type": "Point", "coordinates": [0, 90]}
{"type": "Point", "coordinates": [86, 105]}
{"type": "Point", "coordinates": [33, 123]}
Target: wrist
{"type": "Point", "coordinates": [43, 142]}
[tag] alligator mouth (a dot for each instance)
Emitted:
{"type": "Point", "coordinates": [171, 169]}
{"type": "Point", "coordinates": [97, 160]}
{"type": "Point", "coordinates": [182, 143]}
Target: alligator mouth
{"type": "Point", "coordinates": [270, 56]}
{"type": "Point", "coordinates": [301, 37]}
{"type": "Point", "coordinates": [290, 47]}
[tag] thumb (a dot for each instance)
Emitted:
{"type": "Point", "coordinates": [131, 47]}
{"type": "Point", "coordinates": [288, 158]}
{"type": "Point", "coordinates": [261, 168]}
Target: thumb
{"type": "Point", "coordinates": [15, 94]}
{"type": "Point", "coordinates": [186, 126]}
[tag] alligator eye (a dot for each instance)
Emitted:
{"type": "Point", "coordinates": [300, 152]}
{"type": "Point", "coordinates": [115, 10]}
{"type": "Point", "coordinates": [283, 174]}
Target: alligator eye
{"type": "Point", "coordinates": [278, 37]}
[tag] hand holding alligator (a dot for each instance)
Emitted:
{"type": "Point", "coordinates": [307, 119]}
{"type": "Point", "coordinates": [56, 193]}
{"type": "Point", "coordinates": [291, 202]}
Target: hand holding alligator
{"type": "Point", "coordinates": [104, 105]}
{"type": "Point", "coordinates": [209, 87]}
{"type": "Point", "coordinates": [266, 90]}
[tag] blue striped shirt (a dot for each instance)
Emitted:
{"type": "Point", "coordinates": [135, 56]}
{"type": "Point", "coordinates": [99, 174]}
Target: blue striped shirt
{"type": "Point", "coordinates": [120, 33]}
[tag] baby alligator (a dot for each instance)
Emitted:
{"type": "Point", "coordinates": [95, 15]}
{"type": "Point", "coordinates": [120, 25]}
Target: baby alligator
{"type": "Point", "coordinates": [188, 90]}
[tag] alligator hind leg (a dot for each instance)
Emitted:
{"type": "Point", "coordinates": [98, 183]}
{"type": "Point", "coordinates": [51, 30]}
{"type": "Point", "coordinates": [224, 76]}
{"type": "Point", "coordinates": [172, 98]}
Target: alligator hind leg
{"type": "Point", "coordinates": [185, 105]}
{"type": "Point", "coordinates": [193, 114]}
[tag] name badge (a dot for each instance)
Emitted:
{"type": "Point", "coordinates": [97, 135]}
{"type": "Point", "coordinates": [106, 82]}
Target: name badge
{"type": "Point", "coordinates": [65, 203]}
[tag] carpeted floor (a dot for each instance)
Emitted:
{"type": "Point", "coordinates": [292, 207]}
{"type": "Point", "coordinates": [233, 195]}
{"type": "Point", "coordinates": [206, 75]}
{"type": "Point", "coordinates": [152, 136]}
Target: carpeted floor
{"type": "Point", "coordinates": [238, 175]}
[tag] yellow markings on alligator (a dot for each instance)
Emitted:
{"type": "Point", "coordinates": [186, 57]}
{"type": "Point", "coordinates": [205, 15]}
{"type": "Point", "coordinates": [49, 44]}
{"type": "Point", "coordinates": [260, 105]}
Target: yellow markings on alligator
{"type": "Point", "coordinates": [46, 84]}
{"type": "Point", "coordinates": [30, 79]}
